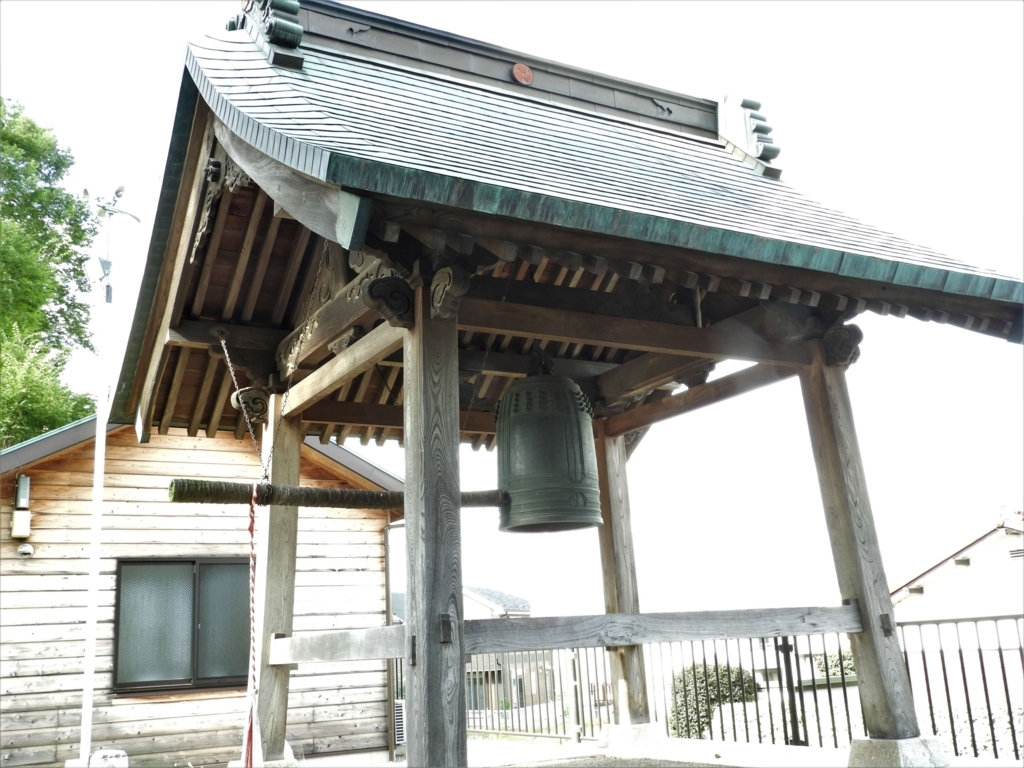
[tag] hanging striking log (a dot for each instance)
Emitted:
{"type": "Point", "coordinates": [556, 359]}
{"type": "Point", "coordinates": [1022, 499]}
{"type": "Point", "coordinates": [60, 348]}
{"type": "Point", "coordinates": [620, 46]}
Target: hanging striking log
{"type": "Point", "coordinates": [187, 491]}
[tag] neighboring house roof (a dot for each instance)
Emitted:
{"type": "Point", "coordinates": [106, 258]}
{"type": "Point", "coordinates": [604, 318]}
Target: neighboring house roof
{"type": "Point", "coordinates": [439, 138]}
{"type": "Point", "coordinates": [49, 443]}
{"type": "Point", "coordinates": [503, 601]}
{"type": "Point", "coordinates": [1014, 524]}
{"type": "Point", "coordinates": [83, 430]}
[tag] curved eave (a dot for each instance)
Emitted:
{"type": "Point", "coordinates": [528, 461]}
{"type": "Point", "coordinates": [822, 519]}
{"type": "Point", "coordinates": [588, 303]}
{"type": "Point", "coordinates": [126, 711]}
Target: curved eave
{"type": "Point", "coordinates": [162, 222]}
{"type": "Point", "coordinates": [430, 187]}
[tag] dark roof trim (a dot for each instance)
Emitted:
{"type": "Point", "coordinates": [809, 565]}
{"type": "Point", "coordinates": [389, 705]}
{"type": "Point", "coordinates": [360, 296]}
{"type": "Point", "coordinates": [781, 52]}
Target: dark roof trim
{"type": "Point", "coordinates": [338, 453]}
{"type": "Point", "coordinates": [188, 95]}
{"type": "Point", "coordinates": [402, 182]}
{"type": "Point", "coordinates": [49, 443]}
{"type": "Point", "coordinates": [335, 27]}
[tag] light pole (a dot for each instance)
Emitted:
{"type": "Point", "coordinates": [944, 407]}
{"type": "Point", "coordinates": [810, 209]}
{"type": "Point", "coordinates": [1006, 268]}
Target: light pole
{"type": "Point", "coordinates": [106, 207]}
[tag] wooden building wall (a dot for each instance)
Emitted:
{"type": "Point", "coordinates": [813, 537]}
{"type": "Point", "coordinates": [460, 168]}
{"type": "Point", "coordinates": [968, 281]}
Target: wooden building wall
{"type": "Point", "coordinates": [339, 585]}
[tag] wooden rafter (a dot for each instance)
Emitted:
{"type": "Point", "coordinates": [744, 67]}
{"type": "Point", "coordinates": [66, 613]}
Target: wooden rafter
{"type": "Point", "coordinates": [169, 286]}
{"type": "Point", "coordinates": [243, 256]}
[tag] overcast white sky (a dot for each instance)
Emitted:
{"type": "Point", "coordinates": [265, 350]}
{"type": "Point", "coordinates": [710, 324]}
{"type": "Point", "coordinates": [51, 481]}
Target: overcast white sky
{"type": "Point", "coordinates": [909, 116]}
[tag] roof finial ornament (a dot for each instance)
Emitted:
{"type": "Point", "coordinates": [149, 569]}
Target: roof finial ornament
{"type": "Point", "coordinates": [741, 125]}
{"type": "Point", "coordinates": [275, 25]}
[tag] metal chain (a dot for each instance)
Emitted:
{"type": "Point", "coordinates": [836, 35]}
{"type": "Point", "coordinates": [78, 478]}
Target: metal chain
{"type": "Point", "coordinates": [241, 405]}
{"type": "Point", "coordinates": [265, 465]}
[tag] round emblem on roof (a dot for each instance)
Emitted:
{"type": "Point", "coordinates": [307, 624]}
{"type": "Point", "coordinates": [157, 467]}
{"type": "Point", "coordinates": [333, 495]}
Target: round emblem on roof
{"type": "Point", "coordinates": [522, 74]}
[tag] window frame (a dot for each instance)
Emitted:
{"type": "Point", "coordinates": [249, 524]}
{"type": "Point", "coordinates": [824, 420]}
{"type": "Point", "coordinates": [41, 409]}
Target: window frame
{"type": "Point", "coordinates": [195, 683]}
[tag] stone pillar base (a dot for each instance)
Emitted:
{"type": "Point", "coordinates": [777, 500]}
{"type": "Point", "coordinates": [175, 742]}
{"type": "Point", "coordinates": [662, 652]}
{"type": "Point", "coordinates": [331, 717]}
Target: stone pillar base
{"type": "Point", "coordinates": [618, 736]}
{"type": "Point", "coordinates": [924, 751]}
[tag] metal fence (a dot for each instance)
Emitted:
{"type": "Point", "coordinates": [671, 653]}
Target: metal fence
{"type": "Point", "coordinates": [967, 678]}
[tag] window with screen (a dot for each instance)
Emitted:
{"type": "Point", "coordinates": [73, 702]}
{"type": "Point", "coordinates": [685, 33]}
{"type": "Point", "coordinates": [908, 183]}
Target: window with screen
{"type": "Point", "coordinates": [181, 623]}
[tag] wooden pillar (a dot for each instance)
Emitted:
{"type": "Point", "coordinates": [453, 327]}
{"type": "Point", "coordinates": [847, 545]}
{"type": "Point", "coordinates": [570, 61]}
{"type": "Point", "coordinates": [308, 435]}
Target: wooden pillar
{"type": "Point", "coordinates": [276, 532]}
{"type": "Point", "coordinates": [882, 680]}
{"type": "Point", "coordinates": [619, 568]}
{"type": "Point", "coordinates": [435, 687]}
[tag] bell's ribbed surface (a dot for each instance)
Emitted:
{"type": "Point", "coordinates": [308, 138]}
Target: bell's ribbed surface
{"type": "Point", "coordinates": [546, 459]}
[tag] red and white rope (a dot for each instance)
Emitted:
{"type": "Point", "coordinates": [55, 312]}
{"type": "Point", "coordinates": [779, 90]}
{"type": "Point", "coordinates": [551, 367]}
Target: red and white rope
{"type": "Point", "coordinates": [250, 725]}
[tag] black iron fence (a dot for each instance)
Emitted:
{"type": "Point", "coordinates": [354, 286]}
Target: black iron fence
{"type": "Point", "coordinates": [967, 678]}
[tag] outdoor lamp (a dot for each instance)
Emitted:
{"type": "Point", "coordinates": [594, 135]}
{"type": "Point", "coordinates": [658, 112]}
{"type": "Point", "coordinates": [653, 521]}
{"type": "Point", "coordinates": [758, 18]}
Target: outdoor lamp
{"type": "Point", "coordinates": [21, 520]}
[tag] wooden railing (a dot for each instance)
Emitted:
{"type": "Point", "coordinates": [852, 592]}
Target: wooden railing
{"type": "Point", "coordinates": [603, 630]}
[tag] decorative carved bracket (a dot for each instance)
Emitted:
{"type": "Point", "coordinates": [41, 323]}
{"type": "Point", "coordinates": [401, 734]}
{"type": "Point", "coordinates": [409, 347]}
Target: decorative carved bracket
{"type": "Point", "coordinates": [392, 297]}
{"type": "Point", "coordinates": [234, 177]}
{"type": "Point", "coordinates": [842, 345]}
{"type": "Point", "coordinates": [448, 285]}
{"type": "Point", "coordinates": [253, 401]}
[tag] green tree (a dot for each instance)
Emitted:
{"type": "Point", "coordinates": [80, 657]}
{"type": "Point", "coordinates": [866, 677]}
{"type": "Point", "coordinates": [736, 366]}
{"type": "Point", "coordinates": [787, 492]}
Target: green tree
{"type": "Point", "coordinates": [833, 664]}
{"type": "Point", "coordinates": [44, 230]}
{"type": "Point", "coordinates": [32, 398]}
{"type": "Point", "coordinates": [698, 690]}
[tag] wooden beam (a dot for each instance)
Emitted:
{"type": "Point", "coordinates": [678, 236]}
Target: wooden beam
{"type": "Point", "coordinates": [204, 395]}
{"type": "Point", "coordinates": [506, 364]}
{"type": "Point", "coordinates": [882, 681]}
{"type": "Point", "coordinates": [200, 334]}
{"type": "Point", "coordinates": [218, 404]}
{"type": "Point", "coordinates": [210, 257]}
{"type": "Point", "coordinates": [628, 629]}
{"type": "Point", "coordinates": [618, 565]}
{"type": "Point", "coordinates": [389, 416]}
{"type": "Point", "coordinates": [644, 373]}
{"type": "Point", "coordinates": [261, 269]}
{"type": "Point", "coordinates": [435, 697]}
{"type": "Point", "coordinates": [696, 397]}
{"type": "Point", "coordinates": [277, 532]}
{"type": "Point", "coordinates": [361, 356]}
{"type": "Point", "coordinates": [284, 291]}
{"type": "Point", "coordinates": [179, 244]}
{"type": "Point", "coordinates": [328, 323]}
{"type": "Point", "coordinates": [327, 210]}
{"type": "Point", "coordinates": [255, 216]}
{"type": "Point", "coordinates": [344, 645]}
{"type": "Point", "coordinates": [608, 630]}
{"type": "Point", "coordinates": [577, 327]}
{"type": "Point", "coordinates": [172, 395]}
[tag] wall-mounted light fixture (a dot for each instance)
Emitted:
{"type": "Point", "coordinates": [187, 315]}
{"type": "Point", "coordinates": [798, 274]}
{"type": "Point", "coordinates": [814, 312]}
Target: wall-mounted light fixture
{"type": "Point", "coordinates": [21, 520]}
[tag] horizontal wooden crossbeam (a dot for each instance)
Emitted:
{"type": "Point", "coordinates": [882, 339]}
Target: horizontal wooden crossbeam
{"type": "Point", "coordinates": [343, 645]}
{"type": "Point", "coordinates": [361, 356]}
{"type": "Point", "coordinates": [198, 334]}
{"type": "Point", "coordinates": [621, 629]}
{"type": "Point", "coordinates": [579, 327]}
{"type": "Point", "coordinates": [391, 416]}
{"type": "Point", "coordinates": [696, 397]}
{"type": "Point", "coordinates": [603, 630]}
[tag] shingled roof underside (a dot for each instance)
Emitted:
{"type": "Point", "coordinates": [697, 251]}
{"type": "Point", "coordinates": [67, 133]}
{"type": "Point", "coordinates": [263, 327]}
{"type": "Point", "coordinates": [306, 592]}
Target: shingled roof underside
{"type": "Point", "coordinates": [377, 113]}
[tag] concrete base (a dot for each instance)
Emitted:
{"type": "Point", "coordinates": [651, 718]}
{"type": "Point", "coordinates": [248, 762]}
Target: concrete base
{"type": "Point", "coordinates": [925, 751]}
{"type": "Point", "coordinates": [618, 736]}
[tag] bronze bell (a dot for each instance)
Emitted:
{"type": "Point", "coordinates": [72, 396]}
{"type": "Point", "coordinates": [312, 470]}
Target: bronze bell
{"type": "Point", "coordinates": [547, 465]}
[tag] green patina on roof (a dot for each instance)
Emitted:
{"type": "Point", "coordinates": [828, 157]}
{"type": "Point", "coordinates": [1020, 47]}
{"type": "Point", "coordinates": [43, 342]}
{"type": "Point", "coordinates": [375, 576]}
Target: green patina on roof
{"type": "Point", "coordinates": [388, 129]}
